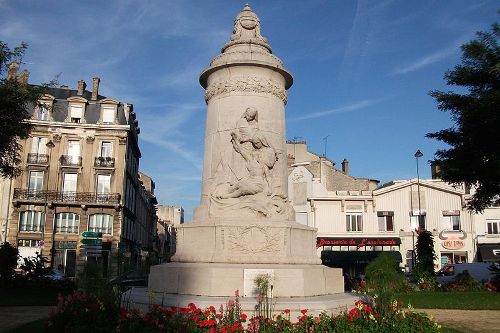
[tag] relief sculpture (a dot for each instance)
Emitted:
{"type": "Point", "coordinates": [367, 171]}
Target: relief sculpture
{"type": "Point", "coordinates": [250, 192]}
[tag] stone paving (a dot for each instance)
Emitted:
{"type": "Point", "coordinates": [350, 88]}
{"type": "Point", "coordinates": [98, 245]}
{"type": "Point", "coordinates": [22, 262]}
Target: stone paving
{"type": "Point", "coordinates": [14, 316]}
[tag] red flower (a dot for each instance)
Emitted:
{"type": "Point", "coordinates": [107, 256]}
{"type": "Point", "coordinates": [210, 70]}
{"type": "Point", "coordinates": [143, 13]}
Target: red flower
{"type": "Point", "coordinates": [286, 311]}
{"type": "Point", "coordinates": [243, 316]}
{"type": "Point", "coordinates": [317, 320]}
{"type": "Point", "coordinates": [211, 308]}
{"type": "Point", "coordinates": [235, 327]}
{"type": "Point", "coordinates": [237, 293]}
{"type": "Point", "coordinates": [218, 316]}
{"type": "Point", "coordinates": [303, 311]}
{"type": "Point", "coordinates": [354, 313]}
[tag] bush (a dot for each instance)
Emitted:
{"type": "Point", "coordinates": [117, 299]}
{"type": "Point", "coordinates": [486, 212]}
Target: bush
{"type": "Point", "coordinates": [384, 279]}
{"type": "Point", "coordinates": [8, 262]}
{"type": "Point", "coordinates": [463, 282]}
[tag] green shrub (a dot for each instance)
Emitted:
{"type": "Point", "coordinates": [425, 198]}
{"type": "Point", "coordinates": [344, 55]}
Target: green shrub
{"type": "Point", "coordinates": [8, 262]}
{"type": "Point", "coordinates": [384, 279]}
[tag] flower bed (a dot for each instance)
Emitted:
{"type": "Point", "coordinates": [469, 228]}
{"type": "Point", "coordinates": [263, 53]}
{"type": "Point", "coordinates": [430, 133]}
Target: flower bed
{"type": "Point", "coordinates": [83, 314]}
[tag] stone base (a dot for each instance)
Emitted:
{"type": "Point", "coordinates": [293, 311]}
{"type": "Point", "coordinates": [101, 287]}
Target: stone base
{"type": "Point", "coordinates": [215, 279]}
{"type": "Point", "coordinates": [238, 242]}
{"type": "Point", "coordinates": [142, 299]}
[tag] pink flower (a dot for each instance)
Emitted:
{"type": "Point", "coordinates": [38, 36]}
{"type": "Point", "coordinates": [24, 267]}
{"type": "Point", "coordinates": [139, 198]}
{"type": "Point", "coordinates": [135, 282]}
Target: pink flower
{"type": "Point", "coordinates": [317, 320]}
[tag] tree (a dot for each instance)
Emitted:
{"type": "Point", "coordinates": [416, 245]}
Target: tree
{"type": "Point", "coordinates": [16, 99]}
{"type": "Point", "coordinates": [8, 262]}
{"type": "Point", "coordinates": [424, 267]}
{"type": "Point", "coordinates": [473, 157]}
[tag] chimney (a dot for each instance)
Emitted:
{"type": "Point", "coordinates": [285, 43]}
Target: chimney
{"type": "Point", "coordinates": [81, 87]}
{"type": "Point", "coordinates": [12, 71]}
{"type": "Point", "coordinates": [435, 170]}
{"type": "Point", "coordinates": [23, 77]}
{"type": "Point", "coordinates": [345, 166]}
{"type": "Point", "coordinates": [95, 88]}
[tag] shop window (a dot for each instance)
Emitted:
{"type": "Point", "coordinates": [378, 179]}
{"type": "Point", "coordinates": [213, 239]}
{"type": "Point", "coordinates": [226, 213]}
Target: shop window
{"type": "Point", "coordinates": [453, 258]}
{"type": "Point", "coordinates": [385, 221]}
{"type": "Point", "coordinates": [451, 220]}
{"type": "Point", "coordinates": [354, 222]}
{"type": "Point", "coordinates": [28, 242]}
{"type": "Point", "coordinates": [31, 221]}
{"type": "Point", "coordinates": [101, 223]}
{"type": "Point", "coordinates": [67, 223]}
{"type": "Point", "coordinates": [493, 227]}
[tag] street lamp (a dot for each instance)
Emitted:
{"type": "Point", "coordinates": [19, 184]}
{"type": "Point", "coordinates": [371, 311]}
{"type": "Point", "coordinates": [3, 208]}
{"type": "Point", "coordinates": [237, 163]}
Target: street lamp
{"type": "Point", "coordinates": [49, 145]}
{"type": "Point", "coordinates": [417, 155]}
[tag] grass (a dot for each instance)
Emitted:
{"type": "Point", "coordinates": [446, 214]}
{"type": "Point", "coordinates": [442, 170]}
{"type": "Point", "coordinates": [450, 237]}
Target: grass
{"type": "Point", "coordinates": [33, 326]}
{"type": "Point", "coordinates": [466, 300]}
{"type": "Point", "coordinates": [28, 296]}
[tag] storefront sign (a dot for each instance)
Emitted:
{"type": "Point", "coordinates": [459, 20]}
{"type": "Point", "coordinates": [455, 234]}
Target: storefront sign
{"type": "Point", "coordinates": [453, 244]}
{"type": "Point", "coordinates": [358, 242]}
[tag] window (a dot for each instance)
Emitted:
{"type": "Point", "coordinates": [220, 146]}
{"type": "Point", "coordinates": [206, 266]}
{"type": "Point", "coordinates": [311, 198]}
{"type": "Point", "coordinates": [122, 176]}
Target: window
{"type": "Point", "coordinates": [385, 221]}
{"type": "Point", "coordinates": [354, 222]}
{"type": "Point", "coordinates": [70, 182]}
{"type": "Point", "coordinates": [35, 182]}
{"type": "Point", "coordinates": [67, 223]}
{"type": "Point", "coordinates": [74, 152]}
{"type": "Point", "coordinates": [42, 112]}
{"type": "Point", "coordinates": [76, 113]}
{"type": "Point", "coordinates": [28, 242]}
{"type": "Point", "coordinates": [493, 227]}
{"type": "Point", "coordinates": [31, 221]}
{"type": "Point", "coordinates": [101, 223]}
{"type": "Point", "coordinates": [451, 220]}
{"type": "Point", "coordinates": [106, 149]}
{"type": "Point", "coordinates": [417, 222]}
{"type": "Point", "coordinates": [108, 115]}
{"type": "Point", "coordinates": [103, 184]}
{"type": "Point", "coordinates": [39, 145]}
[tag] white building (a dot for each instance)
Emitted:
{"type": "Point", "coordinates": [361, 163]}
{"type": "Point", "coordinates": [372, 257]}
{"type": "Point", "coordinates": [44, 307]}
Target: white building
{"type": "Point", "coordinates": [357, 220]}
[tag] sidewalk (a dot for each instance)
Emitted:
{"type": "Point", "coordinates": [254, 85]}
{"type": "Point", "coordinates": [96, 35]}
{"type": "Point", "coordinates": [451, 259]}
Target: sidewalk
{"type": "Point", "coordinates": [14, 316]}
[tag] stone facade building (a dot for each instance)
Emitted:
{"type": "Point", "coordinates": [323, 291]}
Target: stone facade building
{"type": "Point", "coordinates": [356, 220]}
{"type": "Point", "coordinates": [80, 173]}
{"type": "Point", "coordinates": [169, 218]}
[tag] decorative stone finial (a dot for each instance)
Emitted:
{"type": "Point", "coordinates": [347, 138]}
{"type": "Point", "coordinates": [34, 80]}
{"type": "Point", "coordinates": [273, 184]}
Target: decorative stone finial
{"type": "Point", "coordinates": [246, 30]}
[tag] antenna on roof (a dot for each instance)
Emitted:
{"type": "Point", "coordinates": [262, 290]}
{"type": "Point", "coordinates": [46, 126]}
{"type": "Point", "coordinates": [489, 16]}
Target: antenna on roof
{"type": "Point", "coordinates": [326, 143]}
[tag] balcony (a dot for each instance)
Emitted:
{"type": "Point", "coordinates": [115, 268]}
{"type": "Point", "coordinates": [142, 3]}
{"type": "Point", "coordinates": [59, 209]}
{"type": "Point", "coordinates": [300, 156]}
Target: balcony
{"type": "Point", "coordinates": [70, 160]}
{"type": "Point", "coordinates": [23, 195]}
{"type": "Point", "coordinates": [106, 162]}
{"type": "Point", "coordinates": [34, 158]}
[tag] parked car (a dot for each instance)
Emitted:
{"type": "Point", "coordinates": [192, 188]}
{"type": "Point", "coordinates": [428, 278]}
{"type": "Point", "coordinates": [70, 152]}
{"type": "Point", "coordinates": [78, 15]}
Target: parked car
{"type": "Point", "coordinates": [54, 275]}
{"type": "Point", "coordinates": [135, 278]}
{"type": "Point", "coordinates": [479, 271]}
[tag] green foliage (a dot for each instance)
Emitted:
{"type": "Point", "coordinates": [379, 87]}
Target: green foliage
{"type": "Point", "coordinates": [35, 267]}
{"type": "Point", "coordinates": [384, 279]}
{"type": "Point", "coordinates": [473, 158]}
{"type": "Point", "coordinates": [494, 284]}
{"type": "Point", "coordinates": [463, 282]}
{"type": "Point", "coordinates": [463, 300]}
{"type": "Point", "coordinates": [424, 267]}
{"type": "Point", "coordinates": [8, 262]}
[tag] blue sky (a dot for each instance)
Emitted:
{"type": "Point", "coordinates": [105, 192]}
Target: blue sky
{"type": "Point", "coordinates": [362, 72]}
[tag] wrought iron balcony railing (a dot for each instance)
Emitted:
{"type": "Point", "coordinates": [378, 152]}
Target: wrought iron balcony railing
{"type": "Point", "coordinates": [70, 160]}
{"type": "Point", "coordinates": [108, 162]}
{"type": "Point", "coordinates": [66, 197]}
{"type": "Point", "coordinates": [34, 158]}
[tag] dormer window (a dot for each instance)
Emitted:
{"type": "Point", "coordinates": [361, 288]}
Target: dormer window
{"type": "Point", "coordinates": [108, 114]}
{"type": "Point", "coordinates": [42, 112]}
{"type": "Point", "coordinates": [76, 114]}
{"type": "Point", "coordinates": [109, 107]}
{"type": "Point", "coordinates": [43, 108]}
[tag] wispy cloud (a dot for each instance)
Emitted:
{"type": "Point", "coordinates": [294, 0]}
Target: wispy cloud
{"type": "Point", "coordinates": [427, 60]}
{"type": "Point", "coordinates": [348, 108]}
{"type": "Point", "coordinates": [164, 130]}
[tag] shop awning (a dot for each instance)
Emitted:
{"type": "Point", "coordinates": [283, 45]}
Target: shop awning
{"type": "Point", "coordinates": [489, 252]}
{"type": "Point", "coordinates": [339, 258]}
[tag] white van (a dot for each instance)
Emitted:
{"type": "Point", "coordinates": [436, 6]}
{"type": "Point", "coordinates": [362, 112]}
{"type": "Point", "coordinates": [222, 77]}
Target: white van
{"type": "Point", "coordinates": [479, 271]}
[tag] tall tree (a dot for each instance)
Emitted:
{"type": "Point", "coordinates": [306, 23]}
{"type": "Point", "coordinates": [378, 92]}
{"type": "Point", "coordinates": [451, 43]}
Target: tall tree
{"type": "Point", "coordinates": [474, 155]}
{"type": "Point", "coordinates": [16, 99]}
{"type": "Point", "coordinates": [425, 255]}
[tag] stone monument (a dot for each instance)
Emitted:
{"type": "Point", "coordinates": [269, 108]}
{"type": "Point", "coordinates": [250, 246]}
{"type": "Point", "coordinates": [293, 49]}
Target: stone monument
{"type": "Point", "coordinates": [244, 224]}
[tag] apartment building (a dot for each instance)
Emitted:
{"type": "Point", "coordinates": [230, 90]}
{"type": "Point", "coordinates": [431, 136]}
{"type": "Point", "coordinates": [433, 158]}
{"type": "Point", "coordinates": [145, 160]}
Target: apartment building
{"type": "Point", "coordinates": [80, 173]}
{"type": "Point", "coordinates": [169, 218]}
{"type": "Point", "coordinates": [357, 220]}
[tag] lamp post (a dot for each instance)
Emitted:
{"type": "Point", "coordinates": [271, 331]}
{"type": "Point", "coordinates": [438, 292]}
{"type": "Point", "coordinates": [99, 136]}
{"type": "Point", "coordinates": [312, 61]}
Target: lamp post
{"type": "Point", "coordinates": [49, 145]}
{"type": "Point", "coordinates": [417, 155]}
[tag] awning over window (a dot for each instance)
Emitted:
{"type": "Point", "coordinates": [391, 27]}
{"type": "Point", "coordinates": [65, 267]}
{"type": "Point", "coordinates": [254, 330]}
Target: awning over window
{"type": "Point", "coordinates": [489, 252]}
{"type": "Point", "coordinates": [339, 258]}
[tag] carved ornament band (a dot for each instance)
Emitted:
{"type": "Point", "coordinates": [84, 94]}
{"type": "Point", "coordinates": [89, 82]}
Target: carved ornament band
{"type": "Point", "coordinates": [246, 84]}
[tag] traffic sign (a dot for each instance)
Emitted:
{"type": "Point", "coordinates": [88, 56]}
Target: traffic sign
{"type": "Point", "coordinates": [90, 241]}
{"type": "Point", "coordinates": [91, 247]}
{"type": "Point", "coordinates": [92, 234]}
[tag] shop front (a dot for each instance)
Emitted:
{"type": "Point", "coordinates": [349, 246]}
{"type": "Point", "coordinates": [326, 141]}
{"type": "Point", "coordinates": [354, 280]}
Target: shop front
{"type": "Point", "coordinates": [353, 254]}
{"type": "Point", "coordinates": [453, 248]}
{"type": "Point", "coordinates": [489, 252]}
